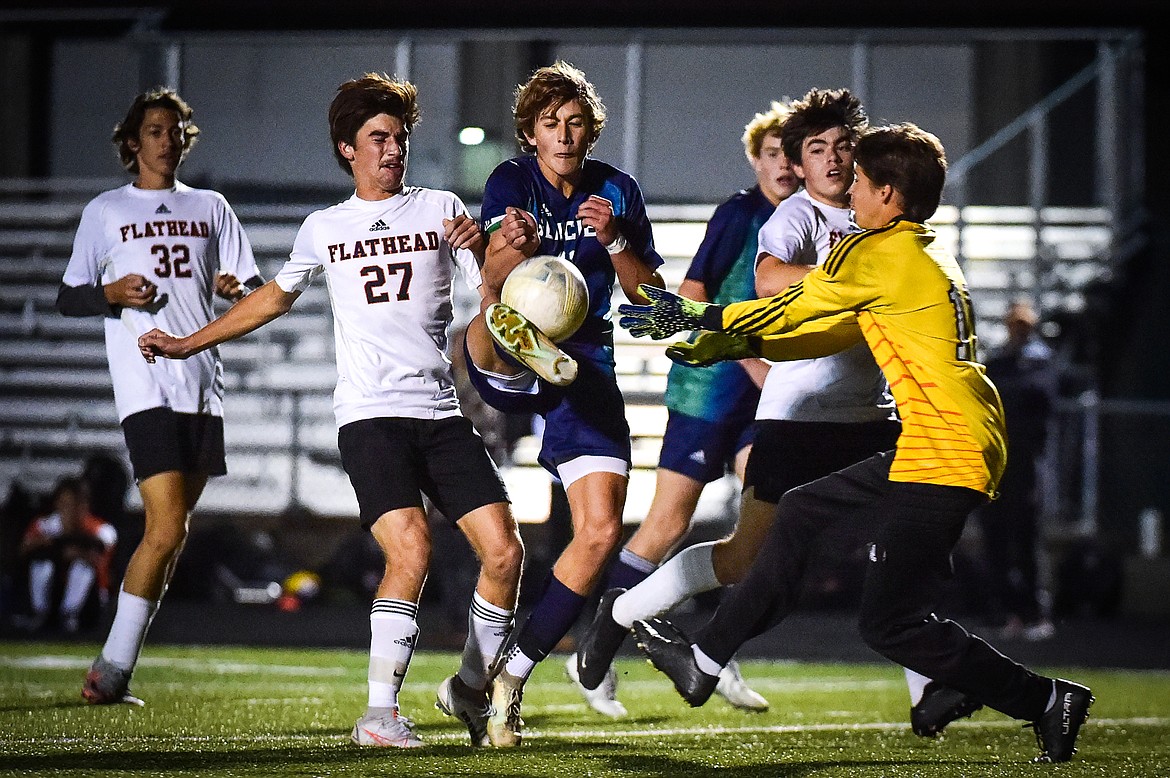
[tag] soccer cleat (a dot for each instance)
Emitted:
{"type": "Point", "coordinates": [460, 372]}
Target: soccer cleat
{"type": "Point", "coordinates": [455, 698]}
{"type": "Point", "coordinates": [939, 706]}
{"type": "Point", "coordinates": [602, 698]}
{"type": "Point", "coordinates": [108, 684]}
{"type": "Point", "coordinates": [385, 730]}
{"type": "Point", "coordinates": [735, 690]}
{"type": "Point", "coordinates": [670, 652]}
{"type": "Point", "coordinates": [1056, 731]}
{"type": "Point", "coordinates": [504, 725]}
{"type": "Point", "coordinates": [600, 644]}
{"type": "Point", "coordinates": [522, 340]}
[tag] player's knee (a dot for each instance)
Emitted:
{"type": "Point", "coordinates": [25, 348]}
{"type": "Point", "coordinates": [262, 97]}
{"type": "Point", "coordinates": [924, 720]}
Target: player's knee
{"type": "Point", "coordinates": [884, 636]}
{"type": "Point", "coordinates": [600, 538]}
{"type": "Point", "coordinates": [873, 633]}
{"type": "Point", "coordinates": [164, 540]}
{"type": "Point", "coordinates": [504, 559]}
{"type": "Point", "coordinates": [405, 540]}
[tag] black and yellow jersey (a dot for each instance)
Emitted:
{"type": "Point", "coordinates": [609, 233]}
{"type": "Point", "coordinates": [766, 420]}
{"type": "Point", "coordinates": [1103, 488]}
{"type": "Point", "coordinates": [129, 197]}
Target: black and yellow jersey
{"type": "Point", "coordinates": [908, 299]}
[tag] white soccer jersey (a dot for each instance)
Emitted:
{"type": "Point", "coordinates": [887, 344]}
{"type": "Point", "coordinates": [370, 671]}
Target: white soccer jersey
{"type": "Point", "coordinates": [178, 238]}
{"type": "Point", "coordinates": [389, 272]}
{"type": "Point", "coordinates": [844, 387]}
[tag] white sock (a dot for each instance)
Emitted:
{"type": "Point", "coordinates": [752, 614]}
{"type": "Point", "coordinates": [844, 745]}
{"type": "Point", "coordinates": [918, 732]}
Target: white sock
{"type": "Point", "coordinates": [705, 663]}
{"type": "Point", "coordinates": [78, 582]}
{"type": "Point", "coordinates": [686, 574]}
{"type": "Point", "coordinates": [519, 664]}
{"type": "Point", "coordinates": [128, 632]}
{"type": "Point", "coordinates": [916, 683]}
{"type": "Point", "coordinates": [488, 627]}
{"type": "Point", "coordinates": [393, 631]}
{"type": "Point", "coordinates": [40, 583]}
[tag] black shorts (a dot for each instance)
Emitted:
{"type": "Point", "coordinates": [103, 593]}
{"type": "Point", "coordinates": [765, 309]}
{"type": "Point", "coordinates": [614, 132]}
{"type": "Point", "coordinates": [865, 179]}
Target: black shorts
{"type": "Point", "coordinates": [392, 462]}
{"type": "Point", "coordinates": [161, 440]}
{"type": "Point", "coordinates": [788, 454]}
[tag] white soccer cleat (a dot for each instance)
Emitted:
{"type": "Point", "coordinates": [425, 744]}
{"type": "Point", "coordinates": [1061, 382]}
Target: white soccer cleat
{"type": "Point", "coordinates": [108, 684]}
{"type": "Point", "coordinates": [603, 699]}
{"type": "Point", "coordinates": [735, 690]}
{"type": "Point", "coordinates": [504, 726]}
{"type": "Point", "coordinates": [389, 730]}
{"type": "Point", "coordinates": [472, 707]}
{"type": "Point", "coordinates": [524, 341]}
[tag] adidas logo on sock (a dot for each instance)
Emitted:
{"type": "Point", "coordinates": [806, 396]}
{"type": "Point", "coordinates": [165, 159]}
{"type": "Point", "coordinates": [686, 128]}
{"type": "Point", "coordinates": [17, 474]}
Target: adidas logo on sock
{"type": "Point", "coordinates": [379, 225]}
{"type": "Point", "coordinates": [699, 457]}
{"type": "Point", "coordinates": [162, 208]}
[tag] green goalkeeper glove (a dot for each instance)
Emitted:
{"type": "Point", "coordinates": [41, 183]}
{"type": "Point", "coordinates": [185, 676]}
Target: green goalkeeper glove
{"type": "Point", "coordinates": [666, 315]}
{"type": "Point", "coordinates": [709, 348]}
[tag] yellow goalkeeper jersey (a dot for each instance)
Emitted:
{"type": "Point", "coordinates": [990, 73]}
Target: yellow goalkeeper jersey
{"type": "Point", "coordinates": [908, 299]}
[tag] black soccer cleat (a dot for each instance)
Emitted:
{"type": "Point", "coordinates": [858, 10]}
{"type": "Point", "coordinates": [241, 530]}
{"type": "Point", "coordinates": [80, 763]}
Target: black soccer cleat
{"type": "Point", "coordinates": [669, 650]}
{"type": "Point", "coordinates": [939, 706]}
{"type": "Point", "coordinates": [1056, 731]}
{"type": "Point", "coordinates": [601, 642]}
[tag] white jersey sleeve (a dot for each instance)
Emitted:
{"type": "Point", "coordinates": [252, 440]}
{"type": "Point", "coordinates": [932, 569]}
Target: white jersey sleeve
{"type": "Point", "coordinates": [791, 232]}
{"type": "Point", "coordinates": [464, 259]}
{"type": "Point", "coordinates": [91, 248]}
{"type": "Point", "coordinates": [234, 250]}
{"type": "Point", "coordinates": [303, 264]}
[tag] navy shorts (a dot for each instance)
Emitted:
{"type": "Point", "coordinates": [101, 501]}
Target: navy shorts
{"type": "Point", "coordinates": [705, 450]}
{"type": "Point", "coordinates": [393, 462]}
{"type": "Point", "coordinates": [585, 418]}
{"type": "Point", "coordinates": [788, 454]}
{"type": "Point", "coordinates": [161, 440]}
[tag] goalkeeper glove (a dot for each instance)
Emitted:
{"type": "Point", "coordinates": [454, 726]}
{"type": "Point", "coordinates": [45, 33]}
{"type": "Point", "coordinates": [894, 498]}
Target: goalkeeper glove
{"type": "Point", "coordinates": [708, 348]}
{"type": "Point", "coordinates": [666, 315]}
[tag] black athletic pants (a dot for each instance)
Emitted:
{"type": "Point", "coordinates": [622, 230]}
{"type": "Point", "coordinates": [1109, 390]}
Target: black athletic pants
{"type": "Point", "coordinates": [912, 529]}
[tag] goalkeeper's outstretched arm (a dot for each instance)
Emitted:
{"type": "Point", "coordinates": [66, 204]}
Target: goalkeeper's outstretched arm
{"type": "Point", "coordinates": [817, 338]}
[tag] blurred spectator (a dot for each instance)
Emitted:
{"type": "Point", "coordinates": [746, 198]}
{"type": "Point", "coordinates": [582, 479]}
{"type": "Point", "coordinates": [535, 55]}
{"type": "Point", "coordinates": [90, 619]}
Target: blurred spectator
{"type": "Point", "coordinates": [68, 554]}
{"type": "Point", "coordinates": [1024, 372]}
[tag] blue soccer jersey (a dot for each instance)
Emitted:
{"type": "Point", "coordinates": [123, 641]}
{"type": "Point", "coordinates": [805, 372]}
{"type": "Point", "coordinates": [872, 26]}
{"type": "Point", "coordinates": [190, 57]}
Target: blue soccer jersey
{"type": "Point", "coordinates": [725, 265]}
{"type": "Point", "coordinates": [519, 183]}
{"type": "Point", "coordinates": [590, 417]}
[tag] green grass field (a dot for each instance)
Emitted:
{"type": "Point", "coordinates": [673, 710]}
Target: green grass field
{"type": "Point", "coordinates": [265, 712]}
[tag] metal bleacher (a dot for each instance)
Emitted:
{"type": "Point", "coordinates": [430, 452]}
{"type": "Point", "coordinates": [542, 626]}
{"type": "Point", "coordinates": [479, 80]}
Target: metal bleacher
{"type": "Point", "coordinates": [56, 403]}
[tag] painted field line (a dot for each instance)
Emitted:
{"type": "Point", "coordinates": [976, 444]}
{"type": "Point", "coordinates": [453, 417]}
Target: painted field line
{"type": "Point", "coordinates": [599, 734]}
{"type": "Point", "coordinates": [61, 662]}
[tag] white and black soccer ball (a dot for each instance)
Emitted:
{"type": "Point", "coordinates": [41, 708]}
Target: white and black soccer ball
{"type": "Point", "coordinates": [550, 292]}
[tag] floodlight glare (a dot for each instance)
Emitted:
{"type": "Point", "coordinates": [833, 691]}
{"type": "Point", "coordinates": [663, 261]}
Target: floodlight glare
{"type": "Point", "coordinates": [471, 136]}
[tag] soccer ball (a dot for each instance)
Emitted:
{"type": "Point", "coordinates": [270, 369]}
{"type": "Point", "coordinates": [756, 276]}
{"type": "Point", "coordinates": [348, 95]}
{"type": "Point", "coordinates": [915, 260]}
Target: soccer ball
{"type": "Point", "coordinates": [550, 292]}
